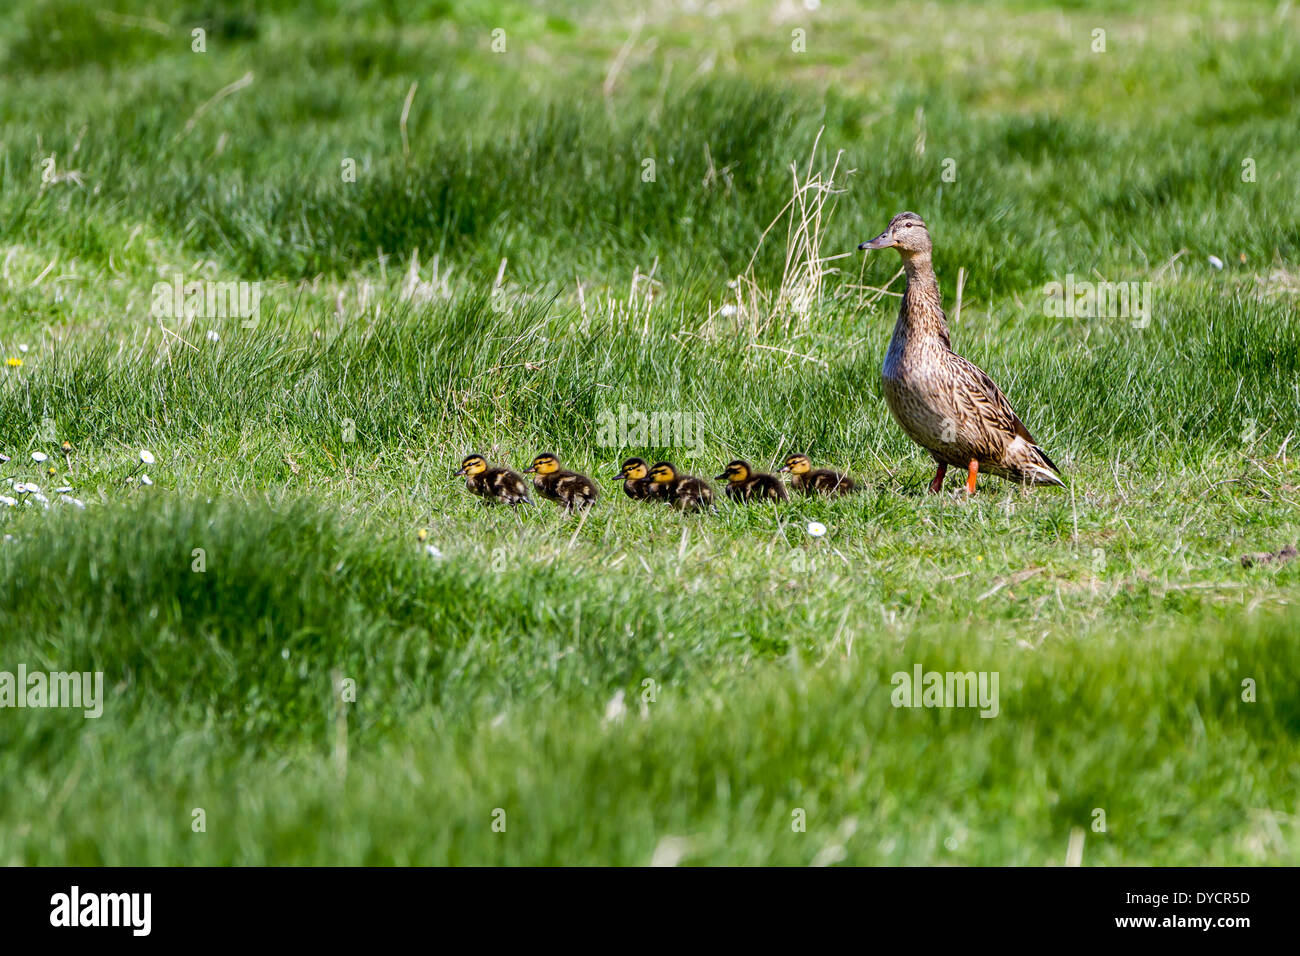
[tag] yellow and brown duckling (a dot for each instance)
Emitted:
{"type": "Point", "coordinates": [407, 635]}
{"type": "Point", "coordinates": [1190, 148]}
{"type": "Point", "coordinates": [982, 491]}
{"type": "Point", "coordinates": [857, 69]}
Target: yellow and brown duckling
{"type": "Point", "coordinates": [683, 492]}
{"type": "Point", "coordinates": [745, 484]}
{"type": "Point", "coordinates": [815, 481]}
{"type": "Point", "coordinates": [493, 484]}
{"type": "Point", "coordinates": [559, 484]}
{"type": "Point", "coordinates": [944, 403]}
{"type": "Point", "coordinates": [637, 485]}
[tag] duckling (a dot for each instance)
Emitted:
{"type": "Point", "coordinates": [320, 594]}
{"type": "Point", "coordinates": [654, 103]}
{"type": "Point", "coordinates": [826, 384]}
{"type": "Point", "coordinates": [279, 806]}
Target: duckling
{"type": "Point", "coordinates": [559, 484]}
{"type": "Point", "coordinates": [745, 484]}
{"type": "Point", "coordinates": [815, 481]}
{"type": "Point", "coordinates": [493, 484]}
{"type": "Point", "coordinates": [944, 403]}
{"type": "Point", "coordinates": [635, 475]}
{"type": "Point", "coordinates": [683, 492]}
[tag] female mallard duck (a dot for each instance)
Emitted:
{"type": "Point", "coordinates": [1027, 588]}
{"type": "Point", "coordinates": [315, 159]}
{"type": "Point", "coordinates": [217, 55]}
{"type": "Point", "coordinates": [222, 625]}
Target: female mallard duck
{"type": "Point", "coordinates": [815, 481]}
{"type": "Point", "coordinates": [745, 484]}
{"type": "Point", "coordinates": [944, 403]}
{"type": "Point", "coordinates": [493, 484]}
{"type": "Point", "coordinates": [559, 484]}
{"type": "Point", "coordinates": [683, 492]}
{"type": "Point", "coordinates": [635, 475]}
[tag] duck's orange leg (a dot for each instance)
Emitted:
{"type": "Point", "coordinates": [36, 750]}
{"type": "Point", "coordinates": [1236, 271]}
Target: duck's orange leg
{"type": "Point", "coordinates": [970, 477]}
{"type": "Point", "coordinates": [936, 486]}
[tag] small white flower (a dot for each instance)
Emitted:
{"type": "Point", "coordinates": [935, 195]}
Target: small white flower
{"type": "Point", "coordinates": [146, 480]}
{"type": "Point", "coordinates": [73, 501]}
{"type": "Point", "coordinates": [64, 490]}
{"type": "Point", "coordinates": [615, 709]}
{"type": "Point", "coordinates": [432, 551]}
{"type": "Point", "coordinates": [20, 488]}
{"type": "Point", "coordinates": [7, 501]}
{"type": "Point", "coordinates": [146, 456]}
{"type": "Point", "coordinates": [22, 348]}
{"type": "Point", "coordinates": [816, 529]}
{"type": "Point", "coordinates": [1216, 262]}
{"type": "Point", "coordinates": [37, 496]}
{"type": "Point", "coordinates": [213, 336]}
{"type": "Point", "coordinates": [39, 456]}
{"type": "Point", "coordinates": [728, 310]}
{"type": "Point", "coordinates": [4, 459]}
{"type": "Point", "coordinates": [285, 653]}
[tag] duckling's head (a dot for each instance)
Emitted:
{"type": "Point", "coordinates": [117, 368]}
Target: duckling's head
{"type": "Point", "coordinates": [472, 465]}
{"type": "Point", "coordinates": [798, 464]}
{"type": "Point", "coordinates": [906, 233]}
{"type": "Point", "coordinates": [663, 472]}
{"type": "Point", "coordinates": [543, 465]}
{"type": "Point", "coordinates": [736, 471]}
{"type": "Point", "coordinates": [634, 469]}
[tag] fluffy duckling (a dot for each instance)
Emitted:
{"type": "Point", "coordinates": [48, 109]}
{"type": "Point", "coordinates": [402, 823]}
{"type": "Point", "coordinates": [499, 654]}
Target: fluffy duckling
{"type": "Point", "coordinates": [559, 484]}
{"type": "Point", "coordinates": [493, 484]}
{"type": "Point", "coordinates": [815, 481]}
{"type": "Point", "coordinates": [683, 492]}
{"type": "Point", "coordinates": [945, 404]}
{"type": "Point", "coordinates": [744, 484]}
{"type": "Point", "coordinates": [635, 475]}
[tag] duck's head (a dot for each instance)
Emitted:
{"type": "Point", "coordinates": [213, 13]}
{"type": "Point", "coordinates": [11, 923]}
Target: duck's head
{"type": "Point", "coordinates": [906, 233]}
{"type": "Point", "coordinates": [736, 471]}
{"type": "Point", "coordinates": [634, 469]}
{"type": "Point", "coordinates": [663, 472]}
{"type": "Point", "coordinates": [543, 465]}
{"type": "Point", "coordinates": [797, 464]}
{"type": "Point", "coordinates": [472, 465]}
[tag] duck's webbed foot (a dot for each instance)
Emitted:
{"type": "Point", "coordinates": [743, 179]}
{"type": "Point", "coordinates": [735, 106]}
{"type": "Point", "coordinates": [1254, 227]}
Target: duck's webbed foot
{"type": "Point", "coordinates": [971, 476]}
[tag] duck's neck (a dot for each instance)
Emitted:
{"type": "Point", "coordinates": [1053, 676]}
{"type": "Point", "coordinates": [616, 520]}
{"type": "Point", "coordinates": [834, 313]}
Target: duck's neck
{"type": "Point", "coordinates": [921, 315]}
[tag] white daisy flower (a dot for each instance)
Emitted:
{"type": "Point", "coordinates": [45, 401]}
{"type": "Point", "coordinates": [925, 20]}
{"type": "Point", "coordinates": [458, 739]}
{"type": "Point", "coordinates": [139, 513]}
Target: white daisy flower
{"type": "Point", "coordinates": [7, 501]}
{"type": "Point", "coordinates": [213, 336]}
{"type": "Point", "coordinates": [432, 551]}
{"type": "Point", "coordinates": [20, 488]}
{"type": "Point", "coordinates": [64, 490]}
{"type": "Point", "coordinates": [22, 348]}
{"type": "Point", "coordinates": [39, 456]}
{"type": "Point", "coordinates": [1216, 262]}
{"type": "Point", "coordinates": [146, 480]}
{"type": "Point", "coordinates": [816, 529]}
{"type": "Point", "coordinates": [146, 456]}
{"type": "Point", "coordinates": [73, 501]}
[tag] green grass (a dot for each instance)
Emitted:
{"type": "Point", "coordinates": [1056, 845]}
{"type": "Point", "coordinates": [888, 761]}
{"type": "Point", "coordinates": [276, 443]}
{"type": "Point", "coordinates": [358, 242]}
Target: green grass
{"type": "Point", "coordinates": [301, 455]}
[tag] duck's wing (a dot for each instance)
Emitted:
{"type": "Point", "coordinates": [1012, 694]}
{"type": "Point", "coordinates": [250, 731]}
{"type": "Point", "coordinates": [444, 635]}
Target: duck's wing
{"type": "Point", "coordinates": [982, 400]}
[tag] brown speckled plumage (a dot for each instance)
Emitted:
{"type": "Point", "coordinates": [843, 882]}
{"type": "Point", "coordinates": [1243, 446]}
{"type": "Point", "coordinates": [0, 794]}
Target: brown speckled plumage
{"type": "Point", "coordinates": [943, 402]}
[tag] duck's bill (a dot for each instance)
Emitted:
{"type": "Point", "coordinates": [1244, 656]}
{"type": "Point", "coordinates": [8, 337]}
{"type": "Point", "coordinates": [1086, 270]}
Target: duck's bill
{"type": "Point", "coordinates": [720, 477]}
{"type": "Point", "coordinates": [529, 471]}
{"type": "Point", "coordinates": [619, 477]}
{"type": "Point", "coordinates": [882, 241]}
{"type": "Point", "coordinates": [457, 474]}
{"type": "Point", "coordinates": [783, 468]}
